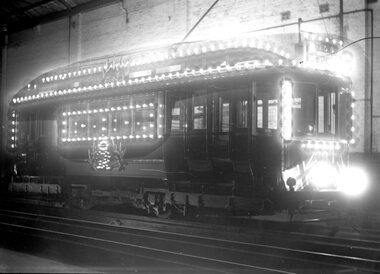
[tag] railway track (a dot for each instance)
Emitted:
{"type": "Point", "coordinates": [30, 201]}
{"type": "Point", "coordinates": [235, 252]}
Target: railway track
{"type": "Point", "coordinates": [153, 245]}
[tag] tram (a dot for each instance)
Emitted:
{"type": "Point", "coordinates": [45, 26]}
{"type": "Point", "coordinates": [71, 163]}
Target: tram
{"type": "Point", "coordinates": [230, 125]}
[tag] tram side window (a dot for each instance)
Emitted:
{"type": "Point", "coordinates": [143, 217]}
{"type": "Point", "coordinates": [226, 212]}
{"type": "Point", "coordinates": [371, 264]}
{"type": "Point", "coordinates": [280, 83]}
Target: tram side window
{"type": "Point", "coordinates": [78, 126]}
{"type": "Point", "coordinates": [32, 127]}
{"type": "Point", "coordinates": [27, 132]}
{"type": "Point", "coordinates": [267, 114]}
{"type": "Point", "coordinates": [98, 120]}
{"type": "Point", "coordinates": [99, 125]}
{"type": "Point", "coordinates": [326, 113]}
{"type": "Point", "coordinates": [144, 117]}
{"type": "Point", "coordinates": [77, 122]}
{"type": "Point", "coordinates": [122, 122]}
{"type": "Point", "coordinates": [267, 109]}
{"type": "Point", "coordinates": [344, 119]}
{"type": "Point", "coordinates": [242, 113]}
{"type": "Point", "coordinates": [178, 115]}
{"type": "Point", "coordinates": [272, 114]}
{"type": "Point", "coordinates": [224, 115]}
{"type": "Point", "coordinates": [132, 117]}
{"type": "Point", "coordinates": [199, 112]}
{"type": "Point", "coordinates": [221, 112]}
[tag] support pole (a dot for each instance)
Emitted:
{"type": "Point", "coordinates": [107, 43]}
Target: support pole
{"type": "Point", "coordinates": [4, 55]}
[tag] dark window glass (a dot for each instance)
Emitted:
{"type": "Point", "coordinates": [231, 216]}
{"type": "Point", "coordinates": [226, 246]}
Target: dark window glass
{"type": "Point", "coordinates": [326, 113]}
{"type": "Point", "coordinates": [122, 121]}
{"type": "Point", "coordinates": [324, 8]}
{"type": "Point", "coordinates": [285, 15]}
{"type": "Point", "coordinates": [272, 114]}
{"type": "Point", "coordinates": [221, 112]}
{"type": "Point", "coordinates": [267, 108]}
{"type": "Point", "coordinates": [242, 113]}
{"type": "Point", "coordinates": [345, 116]}
{"type": "Point", "coordinates": [304, 105]}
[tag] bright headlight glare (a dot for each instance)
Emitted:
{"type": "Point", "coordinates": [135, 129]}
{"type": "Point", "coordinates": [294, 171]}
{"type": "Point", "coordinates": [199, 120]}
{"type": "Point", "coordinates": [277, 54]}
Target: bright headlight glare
{"type": "Point", "coordinates": [322, 175]}
{"type": "Point", "coordinates": [353, 181]}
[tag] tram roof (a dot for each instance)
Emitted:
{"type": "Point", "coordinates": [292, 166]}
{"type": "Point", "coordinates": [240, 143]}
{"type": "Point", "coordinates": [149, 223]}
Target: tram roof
{"type": "Point", "coordinates": [182, 64]}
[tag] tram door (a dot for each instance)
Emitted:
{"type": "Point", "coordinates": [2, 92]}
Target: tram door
{"type": "Point", "coordinates": [241, 120]}
{"type": "Point", "coordinates": [198, 133]}
{"type": "Point", "coordinates": [220, 147]}
{"type": "Point", "coordinates": [266, 146]}
{"type": "Point", "coordinates": [176, 124]}
{"type": "Point", "coordinates": [230, 124]}
{"type": "Point", "coordinates": [241, 139]}
{"type": "Point", "coordinates": [221, 125]}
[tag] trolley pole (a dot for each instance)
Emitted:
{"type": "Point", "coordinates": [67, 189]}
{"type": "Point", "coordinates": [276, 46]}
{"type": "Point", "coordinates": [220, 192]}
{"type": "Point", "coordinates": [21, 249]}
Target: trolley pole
{"type": "Point", "coordinates": [299, 47]}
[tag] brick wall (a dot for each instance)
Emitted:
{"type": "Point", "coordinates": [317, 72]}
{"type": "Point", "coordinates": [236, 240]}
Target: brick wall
{"type": "Point", "coordinates": [152, 23]}
{"type": "Point", "coordinates": [34, 51]}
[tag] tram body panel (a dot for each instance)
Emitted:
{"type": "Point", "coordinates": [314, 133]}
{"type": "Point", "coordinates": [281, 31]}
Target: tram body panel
{"type": "Point", "coordinates": [231, 135]}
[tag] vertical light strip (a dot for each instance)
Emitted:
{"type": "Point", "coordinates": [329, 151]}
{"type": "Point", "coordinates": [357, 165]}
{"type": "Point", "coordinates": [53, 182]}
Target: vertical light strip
{"type": "Point", "coordinates": [14, 122]}
{"type": "Point", "coordinates": [352, 140]}
{"type": "Point", "coordinates": [321, 114]}
{"type": "Point", "coordinates": [160, 115]}
{"type": "Point", "coordinates": [260, 115]}
{"type": "Point", "coordinates": [64, 126]}
{"type": "Point", "coordinates": [332, 111]}
{"type": "Point", "coordinates": [286, 106]}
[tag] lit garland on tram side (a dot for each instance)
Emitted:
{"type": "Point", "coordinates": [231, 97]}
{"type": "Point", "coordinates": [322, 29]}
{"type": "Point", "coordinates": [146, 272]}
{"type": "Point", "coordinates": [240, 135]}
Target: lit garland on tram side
{"type": "Point", "coordinates": [149, 131]}
{"type": "Point", "coordinates": [154, 57]}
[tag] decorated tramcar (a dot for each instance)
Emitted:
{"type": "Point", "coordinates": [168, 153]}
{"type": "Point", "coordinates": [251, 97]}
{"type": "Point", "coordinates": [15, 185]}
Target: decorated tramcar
{"type": "Point", "coordinates": [229, 125]}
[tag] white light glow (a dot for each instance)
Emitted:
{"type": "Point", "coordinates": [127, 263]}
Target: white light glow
{"type": "Point", "coordinates": [353, 181]}
{"type": "Point", "coordinates": [342, 63]}
{"type": "Point", "coordinates": [286, 116]}
{"type": "Point", "coordinates": [322, 175]}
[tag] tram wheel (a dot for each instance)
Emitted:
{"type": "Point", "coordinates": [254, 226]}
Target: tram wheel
{"type": "Point", "coordinates": [163, 212]}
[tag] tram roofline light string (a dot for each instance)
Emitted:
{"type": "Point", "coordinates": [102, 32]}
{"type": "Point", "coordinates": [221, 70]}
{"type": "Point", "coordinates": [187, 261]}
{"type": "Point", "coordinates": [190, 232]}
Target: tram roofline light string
{"type": "Point", "coordinates": [348, 45]}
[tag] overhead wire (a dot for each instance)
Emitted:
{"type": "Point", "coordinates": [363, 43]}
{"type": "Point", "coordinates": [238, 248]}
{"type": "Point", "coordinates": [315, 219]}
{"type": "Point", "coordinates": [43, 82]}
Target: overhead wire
{"type": "Point", "coordinates": [323, 19]}
{"type": "Point", "coordinates": [352, 43]}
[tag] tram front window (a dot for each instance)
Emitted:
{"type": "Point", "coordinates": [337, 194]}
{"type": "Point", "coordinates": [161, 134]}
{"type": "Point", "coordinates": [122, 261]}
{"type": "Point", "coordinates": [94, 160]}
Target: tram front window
{"type": "Point", "coordinates": [304, 105]}
{"type": "Point", "coordinates": [319, 112]}
{"type": "Point", "coordinates": [327, 110]}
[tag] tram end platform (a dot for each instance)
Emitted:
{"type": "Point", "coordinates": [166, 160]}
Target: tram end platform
{"type": "Point", "coordinates": [361, 210]}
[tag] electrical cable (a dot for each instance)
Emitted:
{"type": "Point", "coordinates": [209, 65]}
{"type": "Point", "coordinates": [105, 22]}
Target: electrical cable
{"type": "Point", "coordinates": [323, 20]}
{"type": "Point", "coordinates": [200, 20]}
{"type": "Point", "coordinates": [352, 43]}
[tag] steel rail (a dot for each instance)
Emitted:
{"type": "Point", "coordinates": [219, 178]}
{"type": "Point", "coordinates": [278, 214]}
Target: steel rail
{"type": "Point", "coordinates": [314, 238]}
{"type": "Point", "coordinates": [226, 241]}
{"type": "Point", "coordinates": [147, 248]}
{"type": "Point", "coordinates": [65, 240]}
